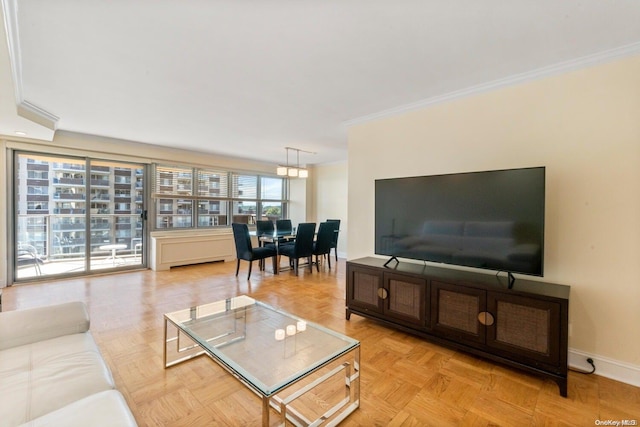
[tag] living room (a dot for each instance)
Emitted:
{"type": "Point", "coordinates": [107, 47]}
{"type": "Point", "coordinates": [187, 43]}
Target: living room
{"type": "Point", "coordinates": [580, 122]}
{"type": "Point", "coordinates": [588, 182]}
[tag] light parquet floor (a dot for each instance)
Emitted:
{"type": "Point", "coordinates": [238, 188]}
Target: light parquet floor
{"type": "Point", "coordinates": [405, 381]}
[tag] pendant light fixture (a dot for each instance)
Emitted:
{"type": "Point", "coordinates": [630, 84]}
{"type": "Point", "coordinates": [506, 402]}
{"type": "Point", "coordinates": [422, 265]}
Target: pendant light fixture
{"type": "Point", "coordinates": [293, 171]}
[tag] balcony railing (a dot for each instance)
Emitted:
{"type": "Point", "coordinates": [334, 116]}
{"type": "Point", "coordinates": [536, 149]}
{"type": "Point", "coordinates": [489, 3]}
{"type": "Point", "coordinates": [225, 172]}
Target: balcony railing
{"type": "Point", "coordinates": [63, 236]}
{"type": "Point", "coordinates": [69, 181]}
{"type": "Point", "coordinates": [68, 196]}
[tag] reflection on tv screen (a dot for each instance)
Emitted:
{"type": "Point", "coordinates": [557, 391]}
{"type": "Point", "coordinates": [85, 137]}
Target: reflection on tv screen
{"type": "Point", "coordinates": [491, 220]}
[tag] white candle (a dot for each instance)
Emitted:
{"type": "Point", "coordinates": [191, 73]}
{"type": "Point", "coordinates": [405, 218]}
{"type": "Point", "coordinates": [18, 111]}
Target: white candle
{"type": "Point", "coordinates": [291, 330]}
{"type": "Point", "coordinates": [279, 334]}
{"type": "Point", "coordinates": [301, 326]}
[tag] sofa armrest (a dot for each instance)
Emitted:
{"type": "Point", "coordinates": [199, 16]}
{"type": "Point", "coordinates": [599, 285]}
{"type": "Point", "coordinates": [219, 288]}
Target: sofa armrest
{"type": "Point", "coordinates": [21, 327]}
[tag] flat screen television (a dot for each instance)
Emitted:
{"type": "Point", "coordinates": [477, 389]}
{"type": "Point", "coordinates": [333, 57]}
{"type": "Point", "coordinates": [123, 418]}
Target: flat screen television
{"type": "Point", "coordinates": [489, 220]}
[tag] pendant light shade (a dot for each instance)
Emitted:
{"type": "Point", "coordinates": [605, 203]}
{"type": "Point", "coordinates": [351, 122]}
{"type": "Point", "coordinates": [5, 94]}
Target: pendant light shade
{"type": "Point", "coordinates": [293, 171]}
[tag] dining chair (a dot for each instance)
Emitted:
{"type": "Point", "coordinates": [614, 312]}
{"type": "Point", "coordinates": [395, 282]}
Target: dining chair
{"type": "Point", "coordinates": [136, 245]}
{"type": "Point", "coordinates": [334, 243]}
{"type": "Point", "coordinates": [284, 226]}
{"type": "Point", "coordinates": [245, 251]}
{"type": "Point", "coordinates": [302, 247]}
{"type": "Point", "coordinates": [28, 255]}
{"type": "Point", "coordinates": [322, 245]}
{"type": "Point", "coordinates": [265, 228]}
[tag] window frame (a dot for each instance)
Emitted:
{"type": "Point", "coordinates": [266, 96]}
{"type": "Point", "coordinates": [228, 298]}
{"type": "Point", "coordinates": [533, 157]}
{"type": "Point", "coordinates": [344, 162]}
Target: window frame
{"type": "Point", "coordinates": [227, 199]}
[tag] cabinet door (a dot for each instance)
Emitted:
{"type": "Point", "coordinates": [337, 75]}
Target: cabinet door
{"type": "Point", "coordinates": [405, 298]}
{"type": "Point", "coordinates": [455, 310]}
{"type": "Point", "coordinates": [363, 285]}
{"type": "Point", "coordinates": [526, 327]}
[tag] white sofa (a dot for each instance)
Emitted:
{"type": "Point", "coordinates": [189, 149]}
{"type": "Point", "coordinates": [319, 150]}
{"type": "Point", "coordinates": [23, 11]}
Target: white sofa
{"type": "Point", "coordinates": [52, 372]}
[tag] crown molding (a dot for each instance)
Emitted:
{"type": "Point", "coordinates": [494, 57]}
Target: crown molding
{"type": "Point", "coordinates": [37, 115]}
{"type": "Point", "coordinates": [10, 13]}
{"type": "Point", "coordinates": [24, 108]}
{"type": "Point", "coordinates": [559, 68]}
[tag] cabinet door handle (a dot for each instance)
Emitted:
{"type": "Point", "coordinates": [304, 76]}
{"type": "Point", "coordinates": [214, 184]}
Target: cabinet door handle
{"type": "Point", "coordinates": [382, 293]}
{"type": "Point", "coordinates": [486, 318]}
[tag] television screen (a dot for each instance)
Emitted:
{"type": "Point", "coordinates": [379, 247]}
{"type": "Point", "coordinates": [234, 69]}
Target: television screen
{"type": "Point", "coordinates": [491, 220]}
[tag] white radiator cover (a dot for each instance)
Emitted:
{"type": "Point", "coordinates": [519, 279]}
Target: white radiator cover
{"type": "Point", "coordinates": [172, 249]}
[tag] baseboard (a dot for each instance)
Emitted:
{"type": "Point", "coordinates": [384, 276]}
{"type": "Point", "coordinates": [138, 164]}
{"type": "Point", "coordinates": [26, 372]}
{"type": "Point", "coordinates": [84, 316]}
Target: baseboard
{"type": "Point", "coordinates": [606, 367]}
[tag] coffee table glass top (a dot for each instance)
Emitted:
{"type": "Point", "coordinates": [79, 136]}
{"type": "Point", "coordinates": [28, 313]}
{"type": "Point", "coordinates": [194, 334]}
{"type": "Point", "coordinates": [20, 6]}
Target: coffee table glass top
{"type": "Point", "coordinates": [265, 346]}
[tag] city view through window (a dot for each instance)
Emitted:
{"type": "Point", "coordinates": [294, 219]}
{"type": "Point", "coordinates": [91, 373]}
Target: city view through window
{"type": "Point", "coordinates": [75, 215]}
{"type": "Point", "coordinates": [196, 197]}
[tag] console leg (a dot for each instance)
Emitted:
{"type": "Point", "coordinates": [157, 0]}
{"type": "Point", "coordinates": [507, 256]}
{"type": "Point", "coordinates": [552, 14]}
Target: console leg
{"type": "Point", "coordinates": [562, 385]}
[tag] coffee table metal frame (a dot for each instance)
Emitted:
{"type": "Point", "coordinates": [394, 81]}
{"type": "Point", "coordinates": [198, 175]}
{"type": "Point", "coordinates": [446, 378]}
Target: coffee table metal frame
{"type": "Point", "coordinates": [187, 345]}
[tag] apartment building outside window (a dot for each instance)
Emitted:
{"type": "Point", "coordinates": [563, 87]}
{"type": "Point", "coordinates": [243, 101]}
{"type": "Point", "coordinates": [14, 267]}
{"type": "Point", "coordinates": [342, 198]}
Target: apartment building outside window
{"type": "Point", "coordinates": [200, 198]}
{"type": "Point", "coordinates": [69, 210]}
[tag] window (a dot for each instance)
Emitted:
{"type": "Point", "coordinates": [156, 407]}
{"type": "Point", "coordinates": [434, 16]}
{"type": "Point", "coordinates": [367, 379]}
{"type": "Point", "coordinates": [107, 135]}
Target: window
{"type": "Point", "coordinates": [35, 206]}
{"type": "Point", "coordinates": [38, 174]}
{"type": "Point", "coordinates": [270, 190]}
{"type": "Point", "coordinates": [199, 197]}
{"type": "Point", "coordinates": [67, 208]}
{"type": "Point", "coordinates": [37, 189]}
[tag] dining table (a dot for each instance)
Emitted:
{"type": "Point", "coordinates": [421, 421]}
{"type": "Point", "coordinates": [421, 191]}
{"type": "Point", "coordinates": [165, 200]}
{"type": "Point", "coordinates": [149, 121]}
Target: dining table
{"type": "Point", "coordinates": [277, 238]}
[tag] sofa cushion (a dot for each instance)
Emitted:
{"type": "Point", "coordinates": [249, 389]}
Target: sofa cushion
{"type": "Point", "coordinates": [437, 239]}
{"type": "Point", "coordinates": [489, 229]}
{"type": "Point", "coordinates": [451, 228]}
{"type": "Point", "coordinates": [22, 327]}
{"type": "Point", "coordinates": [104, 409]}
{"type": "Point", "coordinates": [38, 378]}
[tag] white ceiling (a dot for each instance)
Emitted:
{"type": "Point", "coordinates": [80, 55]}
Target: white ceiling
{"type": "Point", "coordinates": [247, 78]}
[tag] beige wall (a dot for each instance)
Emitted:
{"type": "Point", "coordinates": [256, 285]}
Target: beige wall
{"type": "Point", "coordinates": [584, 126]}
{"type": "Point", "coordinates": [298, 208]}
{"type": "Point", "coordinates": [330, 189]}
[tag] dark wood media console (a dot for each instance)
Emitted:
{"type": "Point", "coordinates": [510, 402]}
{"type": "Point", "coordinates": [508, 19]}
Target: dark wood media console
{"type": "Point", "coordinates": [525, 327]}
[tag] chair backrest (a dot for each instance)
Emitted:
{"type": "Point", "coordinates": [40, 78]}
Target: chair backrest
{"type": "Point", "coordinates": [284, 226]}
{"type": "Point", "coordinates": [326, 231]}
{"type": "Point", "coordinates": [336, 232]}
{"type": "Point", "coordinates": [264, 228]}
{"type": "Point", "coordinates": [27, 249]}
{"type": "Point", "coordinates": [304, 239]}
{"type": "Point", "coordinates": [243, 241]}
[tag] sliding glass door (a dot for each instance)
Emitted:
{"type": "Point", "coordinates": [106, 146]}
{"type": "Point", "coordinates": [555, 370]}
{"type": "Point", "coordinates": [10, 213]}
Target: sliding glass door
{"type": "Point", "coordinates": [76, 215]}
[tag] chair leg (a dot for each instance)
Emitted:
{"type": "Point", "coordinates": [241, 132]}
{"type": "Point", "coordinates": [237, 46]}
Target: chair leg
{"type": "Point", "coordinates": [336, 252]}
{"type": "Point", "coordinates": [310, 262]}
{"type": "Point", "coordinates": [275, 264]}
{"type": "Point", "coordinates": [317, 264]}
{"type": "Point", "coordinates": [237, 267]}
{"type": "Point", "coordinates": [329, 261]}
{"type": "Point", "coordinates": [250, 265]}
{"type": "Point", "coordinates": [295, 265]}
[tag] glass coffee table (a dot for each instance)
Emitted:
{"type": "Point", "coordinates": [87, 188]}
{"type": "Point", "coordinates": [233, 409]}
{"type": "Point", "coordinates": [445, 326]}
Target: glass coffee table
{"type": "Point", "coordinates": [308, 374]}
